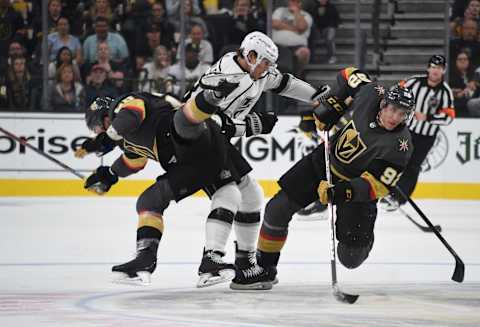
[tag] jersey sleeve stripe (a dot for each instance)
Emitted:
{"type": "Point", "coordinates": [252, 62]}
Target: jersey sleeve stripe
{"type": "Point", "coordinates": [377, 188]}
{"type": "Point", "coordinates": [283, 83]}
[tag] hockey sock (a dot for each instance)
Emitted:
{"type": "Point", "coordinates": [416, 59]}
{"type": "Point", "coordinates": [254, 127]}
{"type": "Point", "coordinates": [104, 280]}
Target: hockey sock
{"type": "Point", "coordinates": [217, 228]}
{"type": "Point", "coordinates": [246, 230]}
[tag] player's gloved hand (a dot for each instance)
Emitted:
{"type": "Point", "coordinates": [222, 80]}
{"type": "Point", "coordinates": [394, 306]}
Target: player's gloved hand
{"type": "Point", "coordinates": [338, 193]}
{"type": "Point", "coordinates": [323, 91]}
{"type": "Point", "coordinates": [101, 180]}
{"type": "Point", "coordinates": [307, 124]}
{"type": "Point", "coordinates": [230, 127]}
{"type": "Point", "coordinates": [328, 113]}
{"type": "Point", "coordinates": [101, 144]}
{"type": "Point", "coordinates": [260, 123]}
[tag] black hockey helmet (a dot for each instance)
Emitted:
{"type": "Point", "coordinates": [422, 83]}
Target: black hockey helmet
{"type": "Point", "coordinates": [437, 60]}
{"type": "Point", "coordinates": [97, 111]}
{"type": "Point", "coordinates": [401, 97]}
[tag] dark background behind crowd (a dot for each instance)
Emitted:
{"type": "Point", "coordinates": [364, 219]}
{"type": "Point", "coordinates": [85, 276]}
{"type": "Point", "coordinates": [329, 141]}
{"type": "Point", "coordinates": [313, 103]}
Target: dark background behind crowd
{"type": "Point", "coordinates": [109, 47]}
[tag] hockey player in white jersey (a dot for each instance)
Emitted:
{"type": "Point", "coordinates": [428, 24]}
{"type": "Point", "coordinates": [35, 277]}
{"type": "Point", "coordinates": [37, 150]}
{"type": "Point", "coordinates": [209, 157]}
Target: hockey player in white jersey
{"type": "Point", "coordinates": [227, 93]}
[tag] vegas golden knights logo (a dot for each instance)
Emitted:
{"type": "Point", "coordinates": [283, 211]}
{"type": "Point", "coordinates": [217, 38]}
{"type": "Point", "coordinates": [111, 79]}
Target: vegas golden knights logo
{"type": "Point", "coordinates": [349, 145]}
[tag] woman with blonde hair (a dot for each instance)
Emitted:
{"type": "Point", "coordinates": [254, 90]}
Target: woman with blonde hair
{"type": "Point", "coordinates": [66, 95]}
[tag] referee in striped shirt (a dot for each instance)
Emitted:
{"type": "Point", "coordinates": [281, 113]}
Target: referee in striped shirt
{"type": "Point", "coordinates": [434, 108]}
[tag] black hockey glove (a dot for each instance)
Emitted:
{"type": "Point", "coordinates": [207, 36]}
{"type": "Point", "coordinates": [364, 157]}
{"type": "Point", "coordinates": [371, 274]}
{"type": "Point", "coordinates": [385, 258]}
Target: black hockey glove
{"type": "Point", "coordinates": [307, 123]}
{"type": "Point", "coordinates": [229, 127]}
{"type": "Point", "coordinates": [322, 93]}
{"type": "Point", "coordinates": [260, 123]}
{"type": "Point", "coordinates": [101, 180]}
{"type": "Point", "coordinates": [338, 193]}
{"type": "Point", "coordinates": [328, 113]}
{"type": "Point", "coordinates": [101, 144]}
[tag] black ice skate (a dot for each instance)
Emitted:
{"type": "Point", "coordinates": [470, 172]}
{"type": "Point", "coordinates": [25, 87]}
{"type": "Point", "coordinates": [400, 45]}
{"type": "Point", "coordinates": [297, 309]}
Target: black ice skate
{"type": "Point", "coordinates": [138, 271]}
{"type": "Point", "coordinates": [248, 274]}
{"type": "Point", "coordinates": [213, 270]}
{"type": "Point", "coordinates": [312, 212]}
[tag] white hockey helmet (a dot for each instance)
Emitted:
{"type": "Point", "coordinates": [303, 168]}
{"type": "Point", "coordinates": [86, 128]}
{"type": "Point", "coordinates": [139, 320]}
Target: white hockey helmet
{"type": "Point", "coordinates": [263, 46]}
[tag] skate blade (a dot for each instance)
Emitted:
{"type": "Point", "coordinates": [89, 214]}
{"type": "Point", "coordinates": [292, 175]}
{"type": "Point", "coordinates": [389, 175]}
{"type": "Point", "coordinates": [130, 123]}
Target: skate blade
{"type": "Point", "coordinates": [209, 279]}
{"type": "Point", "coordinates": [143, 278]}
{"type": "Point", "coordinates": [260, 286]}
{"type": "Point", "coordinates": [311, 217]}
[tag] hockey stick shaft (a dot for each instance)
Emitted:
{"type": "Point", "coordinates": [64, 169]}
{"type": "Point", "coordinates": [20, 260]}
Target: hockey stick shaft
{"type": "Point", "coordinates": [339, 295]}
{"type": "Point", "coordinates": [24, 142]}
{"type": "Point", "coordinates": [459, 272]}
{"type": "Point", "coordinates": [421, 227]}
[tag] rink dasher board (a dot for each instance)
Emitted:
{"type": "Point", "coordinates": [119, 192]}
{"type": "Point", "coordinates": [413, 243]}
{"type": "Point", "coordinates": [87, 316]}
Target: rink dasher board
{"type": "Point", "coordinates": [451, 171]}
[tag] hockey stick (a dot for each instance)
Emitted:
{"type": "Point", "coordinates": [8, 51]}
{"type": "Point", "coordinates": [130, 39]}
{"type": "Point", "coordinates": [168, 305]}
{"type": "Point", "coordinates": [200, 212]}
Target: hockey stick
{"type": "Point", "coordinates": [459, 272]}
{"type": "Point", "coordinates": [24, 142]}
{"type": "Point", "coordinates": [337, 293]}
{"type": "Point", "coordinates": [421, 227]}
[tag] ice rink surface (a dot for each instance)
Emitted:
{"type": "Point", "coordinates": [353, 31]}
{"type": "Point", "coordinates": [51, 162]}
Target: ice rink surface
{"type": "Point", "coordinates": [56, 255]}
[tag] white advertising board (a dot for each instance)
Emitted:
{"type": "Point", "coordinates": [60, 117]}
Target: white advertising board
{"type": "Point", "coordinates": [455, 157]}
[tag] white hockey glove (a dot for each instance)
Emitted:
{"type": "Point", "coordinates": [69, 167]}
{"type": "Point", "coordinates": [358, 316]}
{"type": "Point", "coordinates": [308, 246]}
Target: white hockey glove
{"type": "Point", "coordinates": [260, 123]}
{"type": "Point", "coordinates": [229, 126]}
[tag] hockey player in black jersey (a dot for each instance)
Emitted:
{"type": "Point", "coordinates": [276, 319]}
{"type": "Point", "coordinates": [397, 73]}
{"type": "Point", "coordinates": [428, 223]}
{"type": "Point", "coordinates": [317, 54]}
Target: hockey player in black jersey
{"type": "Point", "coordinates": [143, 126]}
{"type": "Point", "coordinates": [368, 156]}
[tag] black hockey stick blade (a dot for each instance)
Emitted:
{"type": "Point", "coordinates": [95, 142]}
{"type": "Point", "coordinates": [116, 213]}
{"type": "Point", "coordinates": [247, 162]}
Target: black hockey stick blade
{"type": "Point", "coordinates": [344, 297]}
{"type": "Point", "coordinates": [459, 271]}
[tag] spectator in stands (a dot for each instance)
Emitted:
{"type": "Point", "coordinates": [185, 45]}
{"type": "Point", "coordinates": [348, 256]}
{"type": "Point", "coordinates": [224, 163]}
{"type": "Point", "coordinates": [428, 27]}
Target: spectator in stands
{"type": "Point", "coordinates": [158, 17]}
{"type": "Point", "coordinates": [193, 69]}
{"type": "Point", "coordinates": [468, 41]}
{"type": "Point", "coordinates": [291, 29]}
{"type": "Point", "coordinates": [191, 17]}
{"type": "Point", "coordinates": [19, 86]}
{"type": "Point", "coordinates": [326, 18]}
{"type": "Point", "coordinates": [154, 37]}
{"type": "Point", "coordinates": [64, 56]}
{"type": "Point", "coordinates": [15, 49]}
{"type": "Point", "coordinates": [100, 8]}
{"type": "Point", "coordinates": [66, 94]}
{"type": "Point", "coordinates": [105, 59]}
{"type": "Point", "coordinates": [243, 19]}
{"type": "Point", "coordinates": [472, 12]}
{"type": "Point", "coordinates": [98, 84]}
{"type": "Point", "coordinates": [12, 25]}
{"type": "Point", "coordinates": [197, 38]}
{"type": "Point", "coordinates": [461, 83]}
{"type": "Point", "coordinates": [473, 105]}
{"type": "Point", "coordinates": [156, 71]}
{"type": "Point", "coordinates": [118, 47]}
{"type": "Point", "coordinates": [62, 38]}
{"type": "Point", "coordinates": [173, 8]}
{"type": "Point", "coordinates": [117, 78]}
{"type": "Point", "coordinates": [54, 14]}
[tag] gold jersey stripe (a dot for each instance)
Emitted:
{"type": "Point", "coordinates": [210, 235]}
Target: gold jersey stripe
{"type": "Point", "coordinates": [151, 219]}
{"type": "Point", "coordinates": [135, 164]}
{"type": "Point", "coordinates": [378, 187]}
{"type": "Point", "coordinates": [197, 113]}
{"type": "Point", "coordinates": [269, 245]}
{"type": "Point", "coordinates": [338, 174]}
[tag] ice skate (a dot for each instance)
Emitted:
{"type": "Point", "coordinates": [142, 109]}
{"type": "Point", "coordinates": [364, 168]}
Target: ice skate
{"type": "Point", "coordinates": [313, 212]}
{"type": "Point", "coordinates": [139, 270]}
{"type": "Point", "coordinates": [213, 270]}
{"type": "Point", "coordinates": [248, 274]}
{"type": "Point", "coordinates": [388, 204]}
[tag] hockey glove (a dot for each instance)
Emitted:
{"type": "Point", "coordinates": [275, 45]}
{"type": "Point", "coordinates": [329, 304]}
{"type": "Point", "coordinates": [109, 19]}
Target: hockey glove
{"type": "Point", "coordinates": [328, 113]}
{"type": "Point", "coordinates": [229, 127]}
{"type": "Point", "coordinates": [338, 193]}
{"type": "Point", "coordinates": [101, 144]}
{"type": "Point", "coordinates": [321, 94]}
{"type": "Point", "coordinates": [101, 180]}
{"type": "Point", "coordinates": [260, 123]}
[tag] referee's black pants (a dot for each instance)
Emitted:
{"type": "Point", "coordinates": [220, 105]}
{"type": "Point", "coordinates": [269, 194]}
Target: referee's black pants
{"type": "Point", "coordinates": [421, 146]}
